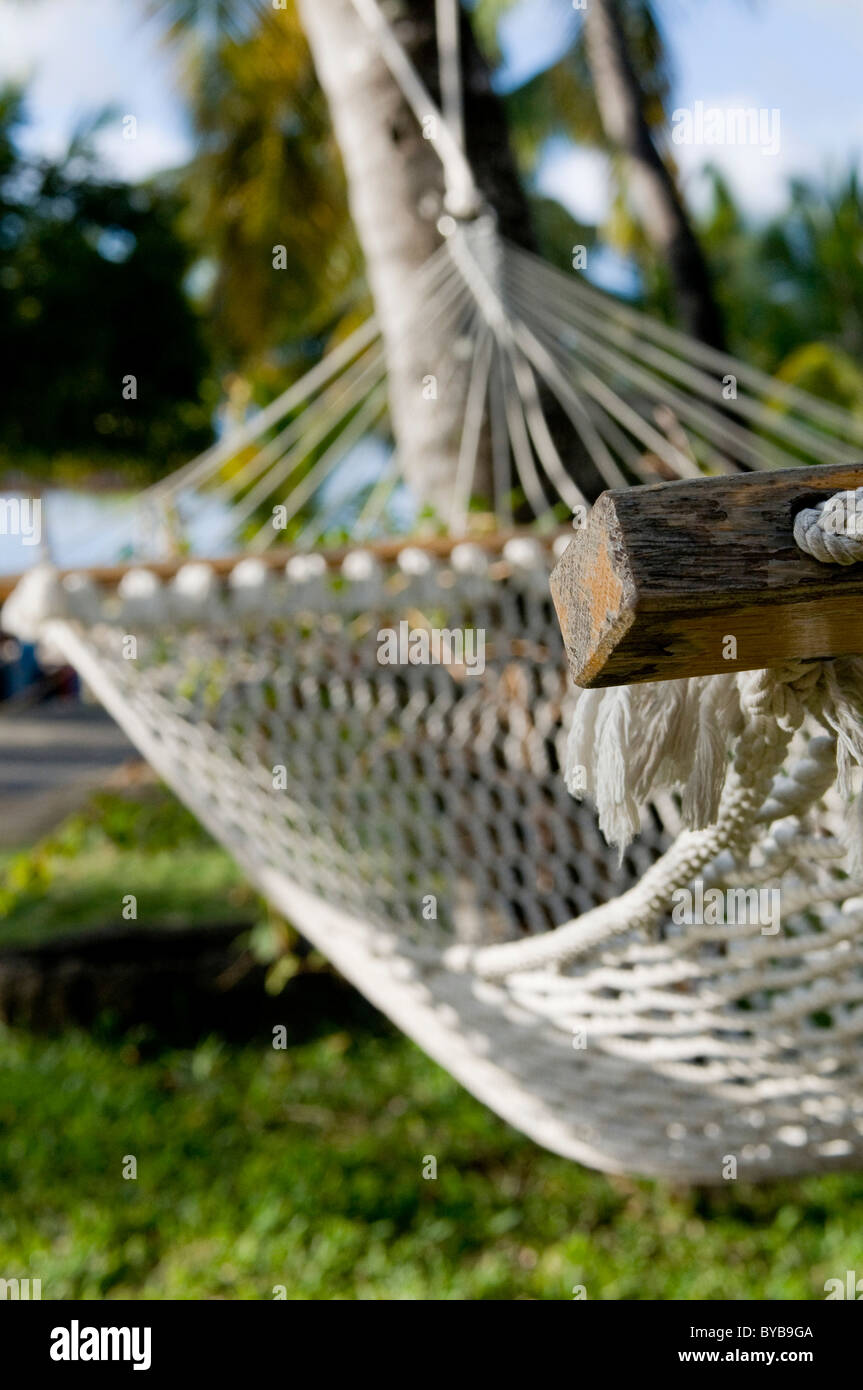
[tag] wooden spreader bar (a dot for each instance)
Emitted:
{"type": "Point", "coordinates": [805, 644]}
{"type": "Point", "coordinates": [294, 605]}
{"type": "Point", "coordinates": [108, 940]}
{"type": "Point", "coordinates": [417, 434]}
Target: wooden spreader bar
{"type": "Point", "coordinates": [661, 577]}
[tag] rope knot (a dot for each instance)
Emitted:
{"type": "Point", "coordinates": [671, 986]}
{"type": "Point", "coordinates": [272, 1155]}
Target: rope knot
{"type": "Point", "coordinates": [780, 693]}
{"type": "Point", "coordinates": [832, 532]}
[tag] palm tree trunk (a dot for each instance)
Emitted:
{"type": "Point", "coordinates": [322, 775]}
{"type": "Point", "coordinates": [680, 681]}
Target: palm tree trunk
{"type": "Point", "coordinates": [620, 99]}
{"type": "Point", "coordinates": [396, 195]}
{"type": "Point", "coordinates": [395, 189]}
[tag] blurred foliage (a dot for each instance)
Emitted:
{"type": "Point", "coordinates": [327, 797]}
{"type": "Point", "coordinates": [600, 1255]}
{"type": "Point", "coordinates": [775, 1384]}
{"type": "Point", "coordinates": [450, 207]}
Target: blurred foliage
{"type": "Point", "coordinates": [795, 281]}
{"type": "Point", "coordinates": [557, 232]}
{"type": "Point", "coordinates": [209, 20]}
{"type": "Point", "coordinates": [91, 291]}
{"type": "Point", "coordinates": [266, 209]}
{"type": "Point", "coordinates": [827, 372]}
{"type": "Point", "coordinates": [77, 249]}
{"type": "Point", "coordinates": [267, 174]}
{"type": "Point", "coordinates": [149, 844]}
{"type": "Point", "coordinates": [559, 100]}
{"type": "Point", "coordinates": [303, 1167]}
{"type": "Point", "coordinates": [146, 841]}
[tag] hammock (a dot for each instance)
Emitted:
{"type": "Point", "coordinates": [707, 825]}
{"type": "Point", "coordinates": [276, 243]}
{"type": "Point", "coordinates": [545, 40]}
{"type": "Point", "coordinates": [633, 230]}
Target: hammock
{"type": "Point", "coordinates": [412, 822]}
{"type": "Point", "coordinates": [410, 817]}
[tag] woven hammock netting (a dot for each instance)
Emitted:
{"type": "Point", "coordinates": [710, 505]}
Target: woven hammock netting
{"type": "Point", "coordinates": [412, 820]}
{"type": "Point", "coordinates": [353, 793]}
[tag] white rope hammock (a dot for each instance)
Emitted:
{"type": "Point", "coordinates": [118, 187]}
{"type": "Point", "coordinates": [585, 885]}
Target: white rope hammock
{"type": "Point", "coordinates": [412, 820]}
{"type": "Point", "coordinates": [355, 794]}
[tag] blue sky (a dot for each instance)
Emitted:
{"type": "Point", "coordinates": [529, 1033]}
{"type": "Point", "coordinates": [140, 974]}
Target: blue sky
{"type": "Point", "coordinates": [803, 57]}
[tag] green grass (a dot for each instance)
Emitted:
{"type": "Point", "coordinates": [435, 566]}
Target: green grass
{"type": "Point", "coordinates": [303, 1168]}
{"type": "Point", "coordinates": [145, 844]}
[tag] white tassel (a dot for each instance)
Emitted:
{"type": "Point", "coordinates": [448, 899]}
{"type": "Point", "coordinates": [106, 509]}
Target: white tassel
{"type": "Point", "coordinates": [718, 720]}
{"type": "Point", "coordinates": [841, 694]}
{"type": "Point", "coordinates": [629, 742]}
{"type": "Point", "coordinates": [842, 711]}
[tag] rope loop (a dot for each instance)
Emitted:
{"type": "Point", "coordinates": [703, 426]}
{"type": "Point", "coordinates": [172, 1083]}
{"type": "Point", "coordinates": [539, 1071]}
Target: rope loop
{"type": "Point", "coordinates": [832, 532]}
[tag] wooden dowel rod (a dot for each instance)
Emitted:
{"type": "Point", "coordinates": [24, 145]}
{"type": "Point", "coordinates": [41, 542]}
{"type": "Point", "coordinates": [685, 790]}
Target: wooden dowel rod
{"type": "Point", "coordinates": [386, 551]}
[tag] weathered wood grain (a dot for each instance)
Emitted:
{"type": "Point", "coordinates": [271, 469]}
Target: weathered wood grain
{"type": "Point", "coordinates": [661, 576]}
